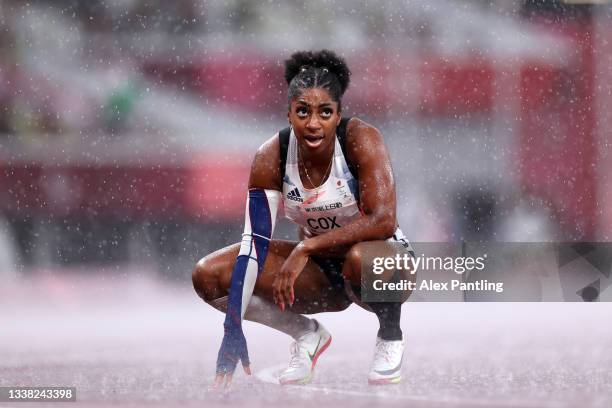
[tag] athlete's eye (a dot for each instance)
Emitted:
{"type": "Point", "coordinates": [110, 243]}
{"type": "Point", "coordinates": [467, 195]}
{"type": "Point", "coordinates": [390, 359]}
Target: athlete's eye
{"type": "Point", "coordinates": [326, 113]}
{"type": "Point", "coordinates": [301, 111]}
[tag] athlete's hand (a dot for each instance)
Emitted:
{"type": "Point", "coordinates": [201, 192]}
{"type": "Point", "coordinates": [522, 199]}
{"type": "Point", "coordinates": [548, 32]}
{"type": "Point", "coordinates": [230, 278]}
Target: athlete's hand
{"type": "Point", "coordinates": [285, 278]}
{"type": "Point", "coordinates": [233, 348]}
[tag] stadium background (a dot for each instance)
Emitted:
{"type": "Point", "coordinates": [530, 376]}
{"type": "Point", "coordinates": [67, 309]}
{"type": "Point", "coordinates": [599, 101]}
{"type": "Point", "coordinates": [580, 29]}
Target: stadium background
{"type": "Point", "coordinates": [127, 128]}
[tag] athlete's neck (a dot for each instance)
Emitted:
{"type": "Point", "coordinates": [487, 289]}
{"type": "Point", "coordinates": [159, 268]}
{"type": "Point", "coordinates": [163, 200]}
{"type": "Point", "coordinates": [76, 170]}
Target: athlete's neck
{"type": "Point", "coordinates": [316, 158]}
{"type": "Point", "coordinates": [316, 173]}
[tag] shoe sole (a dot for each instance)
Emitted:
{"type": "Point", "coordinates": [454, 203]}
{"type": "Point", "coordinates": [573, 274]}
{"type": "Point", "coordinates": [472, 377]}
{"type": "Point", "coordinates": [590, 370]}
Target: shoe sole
{"type": "Point", "coordinates": [304, 381]}
{"type": "Point", "coordinates": [385, 381]}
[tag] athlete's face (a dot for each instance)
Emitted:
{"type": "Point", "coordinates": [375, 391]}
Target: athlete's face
{"type": "Point", "coordinates": [314, 117]}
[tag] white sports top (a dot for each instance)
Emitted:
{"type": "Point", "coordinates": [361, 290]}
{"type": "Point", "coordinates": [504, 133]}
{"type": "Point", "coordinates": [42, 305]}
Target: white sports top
{"type": "Point", "coordinates": [331, 205]}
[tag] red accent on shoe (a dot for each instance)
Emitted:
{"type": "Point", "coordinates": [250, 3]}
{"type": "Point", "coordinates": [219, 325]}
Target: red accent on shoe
{"type": "Point", "coordinates": [321, 350]}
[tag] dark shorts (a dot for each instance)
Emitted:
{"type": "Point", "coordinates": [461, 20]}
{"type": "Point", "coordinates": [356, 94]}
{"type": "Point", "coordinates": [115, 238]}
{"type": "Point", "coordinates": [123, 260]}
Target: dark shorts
{"type": "Point", "coordinates": [332, 268]}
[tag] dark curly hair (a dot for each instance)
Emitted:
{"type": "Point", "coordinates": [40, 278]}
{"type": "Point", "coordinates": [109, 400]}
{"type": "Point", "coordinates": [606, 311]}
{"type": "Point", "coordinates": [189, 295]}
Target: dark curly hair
{"type": "Point", "coordinates": [319, 69]}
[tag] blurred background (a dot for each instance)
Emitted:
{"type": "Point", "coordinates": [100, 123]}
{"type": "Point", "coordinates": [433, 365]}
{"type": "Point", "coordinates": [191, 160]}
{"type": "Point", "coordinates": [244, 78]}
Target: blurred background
{"type": "Point", "coordinates": [127, 127]}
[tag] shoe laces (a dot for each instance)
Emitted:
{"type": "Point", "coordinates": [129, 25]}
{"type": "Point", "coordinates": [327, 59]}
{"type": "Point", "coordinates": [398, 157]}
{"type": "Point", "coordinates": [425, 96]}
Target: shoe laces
{"type": "Point", "coordinates": [384, 349]}
{"type": "Point", "coordinates": [297, 355]}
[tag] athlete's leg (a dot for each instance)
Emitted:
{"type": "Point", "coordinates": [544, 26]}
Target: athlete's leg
{"type": "Point", "coordinates": [388, 313]}
{"type": "Point", "coordinates": [386, 367]}
{"type": "Point", "coordinates": [313, 293]}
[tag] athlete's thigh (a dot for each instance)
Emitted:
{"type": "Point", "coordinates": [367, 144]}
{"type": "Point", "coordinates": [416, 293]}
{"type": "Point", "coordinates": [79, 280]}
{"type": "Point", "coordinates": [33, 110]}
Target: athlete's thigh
{"type": "Point", "coordinates": [313, 291]}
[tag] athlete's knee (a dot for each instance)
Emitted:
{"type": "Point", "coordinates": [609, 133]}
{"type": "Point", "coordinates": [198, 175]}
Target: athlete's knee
{"type": "Point", "coordinates": [352, 265]}
{"type": "Point", "coordinates": [205, 278]}
{"type": "Point", "coordinates": [212, 274]}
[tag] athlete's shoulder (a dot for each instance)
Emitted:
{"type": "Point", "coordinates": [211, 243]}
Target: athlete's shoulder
{"type": "Point", "coordinates": [269, 146]}
{"type": "Point", "coordinates": [265, 170]}
{"type": "Point", "coordinates": [356, 128]}
{"type": "Point", "coordinates": [362, 137]}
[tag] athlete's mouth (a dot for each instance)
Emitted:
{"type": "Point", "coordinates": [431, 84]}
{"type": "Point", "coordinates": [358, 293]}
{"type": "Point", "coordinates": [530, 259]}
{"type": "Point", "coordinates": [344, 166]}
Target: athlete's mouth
{"type": "Point", "coordinates": [313, 140]}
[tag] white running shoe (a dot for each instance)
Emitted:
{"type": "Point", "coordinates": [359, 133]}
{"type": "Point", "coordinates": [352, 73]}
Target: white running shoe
{"type": "Point", "coordinates": [387, 364]}
{"type": "Point", "coordinates": [304, 354]}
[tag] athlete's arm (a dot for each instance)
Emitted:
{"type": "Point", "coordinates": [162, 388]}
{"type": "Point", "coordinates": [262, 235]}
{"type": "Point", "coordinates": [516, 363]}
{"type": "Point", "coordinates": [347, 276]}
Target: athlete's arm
{"type": "Point", "coordinates": [260, 215]}
{"type": "Point", "coordinates": [366, 149]}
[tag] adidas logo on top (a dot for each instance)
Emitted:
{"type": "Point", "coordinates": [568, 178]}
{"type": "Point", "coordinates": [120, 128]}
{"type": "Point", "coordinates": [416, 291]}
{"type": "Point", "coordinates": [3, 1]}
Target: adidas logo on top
{"type": "Point", "coordinates": [295, 195]}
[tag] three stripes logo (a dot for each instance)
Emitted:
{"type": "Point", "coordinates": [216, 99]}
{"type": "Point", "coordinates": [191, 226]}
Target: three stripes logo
{"type": "Point", "coordinates": [295, 195]}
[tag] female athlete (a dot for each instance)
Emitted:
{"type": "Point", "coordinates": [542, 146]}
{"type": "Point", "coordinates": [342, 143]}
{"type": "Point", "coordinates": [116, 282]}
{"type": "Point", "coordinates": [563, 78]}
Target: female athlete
{"type": "Point", "coordinates": [334, 178]}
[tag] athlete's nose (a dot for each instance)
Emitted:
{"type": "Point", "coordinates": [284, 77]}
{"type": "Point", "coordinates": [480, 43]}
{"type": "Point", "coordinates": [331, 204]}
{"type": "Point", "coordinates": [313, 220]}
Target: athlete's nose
{"type": "Point", "coordinates": [313, 123]}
